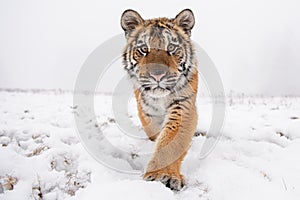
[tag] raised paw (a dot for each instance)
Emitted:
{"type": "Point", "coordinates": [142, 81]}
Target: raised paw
{"type": "Point", "coordinates": [173, 181]}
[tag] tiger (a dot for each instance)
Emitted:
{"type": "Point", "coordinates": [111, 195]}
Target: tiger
{"type": "Point", "coordinates": [159, 58]}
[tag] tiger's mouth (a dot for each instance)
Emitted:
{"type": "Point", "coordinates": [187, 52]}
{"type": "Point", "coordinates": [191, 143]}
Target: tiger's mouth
{"type": "Point", "coordinates": [153, 88]}
{"type": "Point", "coordinates": [158, 89]}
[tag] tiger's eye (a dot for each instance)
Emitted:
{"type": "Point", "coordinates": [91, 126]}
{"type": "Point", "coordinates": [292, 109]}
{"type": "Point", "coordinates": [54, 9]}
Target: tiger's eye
{"type": "Point", "coordinates": [144, 48]}
{"type": "Point", "coordinates": [171, 48]}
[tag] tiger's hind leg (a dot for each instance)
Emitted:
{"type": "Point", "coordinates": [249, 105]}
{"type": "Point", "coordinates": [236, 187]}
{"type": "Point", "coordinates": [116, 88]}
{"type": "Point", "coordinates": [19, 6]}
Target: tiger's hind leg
{"type": "Point", "coordinates": [200, 133]}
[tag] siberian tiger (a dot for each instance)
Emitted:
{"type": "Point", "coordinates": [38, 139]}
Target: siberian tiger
{"type": "Point", "coordinates": [160, 60]}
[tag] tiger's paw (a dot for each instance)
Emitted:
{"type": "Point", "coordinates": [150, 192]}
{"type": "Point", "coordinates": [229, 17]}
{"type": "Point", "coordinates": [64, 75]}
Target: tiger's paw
{"type": "Point", "coordinates": [173, 181]}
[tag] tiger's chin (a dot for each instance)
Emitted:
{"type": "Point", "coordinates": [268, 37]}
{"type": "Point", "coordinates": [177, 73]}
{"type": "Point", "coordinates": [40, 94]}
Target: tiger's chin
{"type": "Point", "coordinates": [157, 92]}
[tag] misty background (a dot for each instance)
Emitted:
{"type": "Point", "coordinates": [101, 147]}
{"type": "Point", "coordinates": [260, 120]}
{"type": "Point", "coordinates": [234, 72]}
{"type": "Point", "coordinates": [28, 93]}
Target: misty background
{"type": "Point", "coordinates": [254, 44]}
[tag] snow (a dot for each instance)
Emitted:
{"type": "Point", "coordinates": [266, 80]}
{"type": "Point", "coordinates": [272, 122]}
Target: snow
{"type": "Point", "coordinates": [42, 157]}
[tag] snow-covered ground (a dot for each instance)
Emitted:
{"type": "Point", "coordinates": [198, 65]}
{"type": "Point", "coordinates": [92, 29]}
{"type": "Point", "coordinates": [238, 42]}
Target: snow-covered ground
{"type": "Point", "coordinates": [41, 156]}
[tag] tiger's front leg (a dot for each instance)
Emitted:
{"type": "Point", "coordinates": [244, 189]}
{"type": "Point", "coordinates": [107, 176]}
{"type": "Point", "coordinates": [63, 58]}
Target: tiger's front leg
{"type": "Point", "coordinates": [151, 124]}
{"type": "Point", "coordinates": [172, 146]}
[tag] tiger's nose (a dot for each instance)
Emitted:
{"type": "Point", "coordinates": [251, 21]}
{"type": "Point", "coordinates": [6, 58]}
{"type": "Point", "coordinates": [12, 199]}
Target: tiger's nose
{"type": "Point", "coordinates": [157, 75]}
{"type": "Point", "coordinates": [157, 70]}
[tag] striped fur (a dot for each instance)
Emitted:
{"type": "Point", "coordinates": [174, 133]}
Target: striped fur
{"type": "Point", "coordinates": [166, 107]}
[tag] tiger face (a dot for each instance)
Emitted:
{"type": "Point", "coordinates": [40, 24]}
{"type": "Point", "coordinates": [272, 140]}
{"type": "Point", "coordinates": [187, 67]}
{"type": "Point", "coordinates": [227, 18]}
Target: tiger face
{"type": "Point", "coordinates": [159, 54]}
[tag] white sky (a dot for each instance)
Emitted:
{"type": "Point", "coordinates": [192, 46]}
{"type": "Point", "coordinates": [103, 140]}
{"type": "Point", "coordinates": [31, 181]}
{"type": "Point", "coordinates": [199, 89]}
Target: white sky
{"type": "Point", "coordinates": [255, 44]}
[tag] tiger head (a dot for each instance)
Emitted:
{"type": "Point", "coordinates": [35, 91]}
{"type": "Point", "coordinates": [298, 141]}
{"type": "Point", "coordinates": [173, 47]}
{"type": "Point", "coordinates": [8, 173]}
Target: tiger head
{"type": "Point", "coordinates": [159, 54]}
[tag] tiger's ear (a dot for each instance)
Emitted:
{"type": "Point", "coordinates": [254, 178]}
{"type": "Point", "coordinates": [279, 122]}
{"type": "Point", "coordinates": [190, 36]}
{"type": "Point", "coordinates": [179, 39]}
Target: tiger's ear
{"type": "Point", "coordinates": [130, 20]}
{"type": "Point", "coordinates": [186, 20]}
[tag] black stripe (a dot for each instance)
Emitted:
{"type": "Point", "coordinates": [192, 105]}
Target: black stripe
{"type": "Point", "coordinates": [191, 51]}
{"type": "Point", "coordinates": [171, 118]}
{"type": "Point", "coordinates": [179, 37]}
{"type": "Point", "coordinates": [178, 102]}
{"type": "Point", "coordinates": [149, 105]}
{"type": "Point", "coordinates": [148, 115]}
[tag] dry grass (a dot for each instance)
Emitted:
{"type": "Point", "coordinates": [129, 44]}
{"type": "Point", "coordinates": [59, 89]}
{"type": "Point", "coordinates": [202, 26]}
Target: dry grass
{"type": "Point", "coordinates": [38, 151]}
{"type": "Point", "coordinates": [8, 182]}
